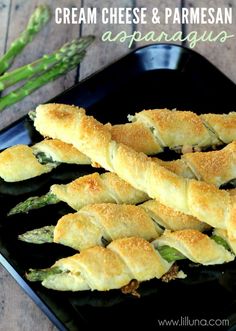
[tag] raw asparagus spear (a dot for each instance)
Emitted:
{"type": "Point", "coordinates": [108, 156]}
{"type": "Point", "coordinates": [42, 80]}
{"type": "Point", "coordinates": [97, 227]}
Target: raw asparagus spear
{"type": "Point", "coordinates": [34, 203]}
{"type": "Point", "coordinates": [36, 22]}
{"type": "Point", "coordinates": [50, 75]}
{"type": "Point", "coordinates": [62, 55]}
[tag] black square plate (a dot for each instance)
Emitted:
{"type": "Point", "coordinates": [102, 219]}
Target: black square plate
{"type": "Point", "coordinates": [154, 76]}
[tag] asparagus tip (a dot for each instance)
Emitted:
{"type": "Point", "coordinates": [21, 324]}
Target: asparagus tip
{"type": "Point", "coordinates": [38, 275]}
{"type": "Point", "coordinates": [40, 16]}
{"type": "Point", "coordinates": [32, 115]}
{"type": "Point", "coordinates": [34, 203]}
{"type": "Point", "coordinates": [22, 207]}
{"type": "Point", "coordinates": [38, 236]}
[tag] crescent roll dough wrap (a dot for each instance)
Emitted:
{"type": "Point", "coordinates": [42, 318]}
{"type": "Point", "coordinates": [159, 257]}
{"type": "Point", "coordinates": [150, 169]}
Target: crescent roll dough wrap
{"type": "Point", "coordinates": [95, 188]}
{"type": "Point", "coordinates": [167, 127]}
{"type": "Point", "coordinates": [113, 267]}
{"type": "Point", "coordinates": [95, 223]}
{"type": "Point", "coordinates": [195, 246]}
{"type": "Point", "coordinates": [204, 201]}
{"type": "Point", "coordinates": [198, 131]}
{"type": "Point", "coordinates": [223, 125]}
{"type": "Point", "coordinates": [99, 224]}
{"type": "Point", "coordinates": [123, 260]}
{"type": "Point", "coordinates": [60, 152]}
{"type": "Point", "coordinates": [216, 167]}
{"type": "Point", "coordinates": [22, 162]}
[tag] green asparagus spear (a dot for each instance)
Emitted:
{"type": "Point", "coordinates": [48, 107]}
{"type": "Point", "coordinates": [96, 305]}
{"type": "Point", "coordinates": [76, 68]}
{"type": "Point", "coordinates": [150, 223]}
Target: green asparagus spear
{"type": "Point", "coordinates": [170, 254]}
{"type": "Point", "coordinates": [64, 54]}
{"type": "Point", "coordinates": [36, 22]}
{"type": "Point", "coordinates": [220, 241]}
{"type": "Point", "coordinates": [32, 115]}
{"type": "Point", "coordinates": [39, 236]}
{"type": "Point", "coordinates": [34, 203]}
{"type": "Point", "coordinates": [46, 233]}
{"type": "Point", "coordinates": [50, 75]}
{"type": "Point", "coordinates": [35, 275]}
{"type": "Point", "coordinates": [46, 159]}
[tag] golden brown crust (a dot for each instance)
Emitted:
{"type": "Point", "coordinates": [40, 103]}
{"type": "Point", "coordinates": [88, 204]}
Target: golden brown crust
{"type": "Point", "coordinates": [132, 258]}
{"type": "Point", "coordinates": [82, 191]}
{"type": "Point", "coordinates": [170, 129]}
{"type": "Point", "coordinates": [231, 225]}
{"type": "Point", "coordinates": [179, 167]}
{"type": "Point", "coordinates": [140, 257]}
{"type": "Point", "coordinates": [223, 125]}
{"type": "Point", "coordinates": [115, 266]}
{"type": "Point", "coordinates": [150, 131]}
{"type": "Point", "coordinates": [205, 198]}
{"type": "Point", "coordinates": [148, 176]}
{"type": "Point", "coordinates": [120, 190]}
{"type": "Point", "coordinates": [232, 192]}
{"type": "Point", "coordinates": [98, 223]}
{"type": "Point", "coordinates": [19, 163]}
{"type": "Point", "coordinates": [94, 223]}
{"type": "Point", "coordinates": [78, 231]}
{"type": "Point", "coordinates": [137, 136]}
{"type": "Point", "coordinates": [100, 267]}
{"type": "Point", "coordinates": [216, 167]}
{"type": "Point", "coordinates": [196, 246]}
{"type": "Point", "coordinates": [172, 219]}
{"type": "Point", "coordinates": [198, 199]}
{"type": "Point", "coordinates": [97, 188]}
{"type": "Point", "coordinates": [120, 221]}
{"type": "Point", "coordinates": [68, 119]}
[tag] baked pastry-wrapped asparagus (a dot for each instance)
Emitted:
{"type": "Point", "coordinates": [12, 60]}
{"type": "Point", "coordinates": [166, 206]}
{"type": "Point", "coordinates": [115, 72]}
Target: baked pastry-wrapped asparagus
{"type": "Point", "coordinates": [199, 199]}
{"type": "Point", "coordinates": [186, 130]}
{"type": "Point", "coordinates": [153, 130]}
{"type": "Point", "coordinates": [22, 162]}
{"type": "Point", "coordinates": [89, 189]}
{"type": "Point", "coordinates": [127, 259]}
{"type": "Point", "coordinates": [215, 167]}
{"type": "Point", "coordinates": [99, 224]}
{"type": "Point", "coordinates": [221, 236]}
